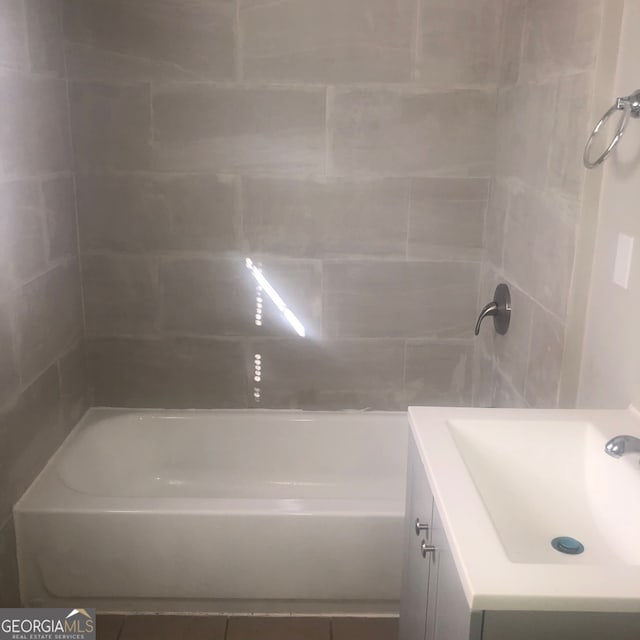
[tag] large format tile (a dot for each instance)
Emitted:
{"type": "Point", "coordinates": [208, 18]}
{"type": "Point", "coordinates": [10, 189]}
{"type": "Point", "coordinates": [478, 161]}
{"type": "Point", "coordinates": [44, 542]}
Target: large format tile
{"type": "Point", "coordinates": [75, 391]}
{"type": "Point", "coordinates": [155, 213]}
{"type": "Point", "coordinates": [364, 628]}
{"type": "Point", "coordinates": [328, 375]}
{"type": "Point", "coordinates": [34, 431]}
{"type": "Point", "coordinates": [523, 109]}
{"type": "Point", "coordinates": [447, 217]}
{"type": "Point", "coordinates": [256, 628]}
{"type": "Point", "coordinates": [400, 133]}
{"type": "Point", "coordinates": [204, 127]}
{"type": "Point", "coordinates": [511, 41]}
{"type": "Point", "coordinates": [172, 373]}
{"type": "Point", "coordinates": [317, 218]}
{"type": "Point", "coordinates": [9, 376]}
{"type": "Point", "coordinates": [217, 297]}
{"type": "Point", "coordinates": [571, 126]}
{"type": "Point", "coordinates": [545, 360]}
{"type": "Point", "coordinates": [111, 126]}
{"type": "Point", "coordinates": [438, 373]}
{"type": "Point", "coordinates": [174, 38]}
{"type": "Point", "coordinates": [330, 41]}
{"type": "Point", "coordinates": [120, 295]}
{"type": "Point", "coordinates": [48, 319]}
{"type": "Point", "coordinates": [9, 588]}
{"type": "Point", "coordinates": [44, 27]}
{"type": "Point", "coordinates": [458, 42]}
{"type": "Point", "coordinates": [35, 136]}
{"type": "Point", "coordinates": [60, 217]}
{"type": "Point", "coordinates": [167, 627]}
{"type": "Point", "coordinates": [13, 39]}
{"type": "Point", "coordinates": [540, 246]}
{"type": "Point", "coordinates": [400, 299]}
{"type": "Point", "coordinates": [21, 208]}
{"type": "Point", "coordinates": [560, 37]}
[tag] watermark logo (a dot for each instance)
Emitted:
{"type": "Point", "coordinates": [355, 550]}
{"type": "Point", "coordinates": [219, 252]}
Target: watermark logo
{"type": "Point", "coordinates": [47, 624]}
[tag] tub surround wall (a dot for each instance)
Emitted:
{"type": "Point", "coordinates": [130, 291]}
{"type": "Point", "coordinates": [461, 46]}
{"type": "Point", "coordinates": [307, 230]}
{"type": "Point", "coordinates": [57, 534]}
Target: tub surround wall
{"type": "Point", "coordinates": [347, 146]}
{"type": "Point", "coordinates": [545, 99]}
{"type": "Point", "coordinates": [610, 364]}
{"type": "Point", "coordinates": [42, 378]}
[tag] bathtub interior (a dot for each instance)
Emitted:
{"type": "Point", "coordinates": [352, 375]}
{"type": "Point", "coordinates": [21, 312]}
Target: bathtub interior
{"type": "Point", "coordinates": [224, 512]}
{"type": "Point", "coordinates": [266, 455]}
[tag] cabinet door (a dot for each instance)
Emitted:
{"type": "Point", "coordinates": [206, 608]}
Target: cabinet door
{"type": "Point", "coordinates": [449, 612]}
{"type": "Point", "coordinates": [415, 583]}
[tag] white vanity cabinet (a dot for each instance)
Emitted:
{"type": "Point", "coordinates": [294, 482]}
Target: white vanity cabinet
{"type": "Point", "coordinates": [433, 604]}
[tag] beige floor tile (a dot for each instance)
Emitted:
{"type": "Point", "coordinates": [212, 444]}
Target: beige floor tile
{"type": "Point", "coordinates": [174, 628]}
{"type": "Point", "coordinates": [365, 628]}
{"type": "Point", "coordinates": [255, 628]}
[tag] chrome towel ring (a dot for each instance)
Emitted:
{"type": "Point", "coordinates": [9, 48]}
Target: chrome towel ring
{"type": "Point", "coordinates": [630, 105]}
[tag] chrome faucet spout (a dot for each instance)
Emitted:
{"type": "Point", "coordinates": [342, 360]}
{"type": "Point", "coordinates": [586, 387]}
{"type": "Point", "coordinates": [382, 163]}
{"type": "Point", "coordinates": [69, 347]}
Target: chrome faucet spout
{"type": "Point", "coordinates": [621, 445]}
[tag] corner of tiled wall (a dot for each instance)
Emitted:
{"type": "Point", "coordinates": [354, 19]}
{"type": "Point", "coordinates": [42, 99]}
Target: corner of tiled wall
{"type": "Point", "coordinates": [43, 382]}
{"type": "Point", "coordinates": [548, 62]}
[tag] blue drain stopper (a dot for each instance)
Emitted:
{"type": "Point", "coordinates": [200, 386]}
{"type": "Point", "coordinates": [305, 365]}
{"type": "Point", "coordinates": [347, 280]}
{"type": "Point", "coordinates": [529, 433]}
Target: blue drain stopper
{"type": "Point", "coordinates": [566, 544]}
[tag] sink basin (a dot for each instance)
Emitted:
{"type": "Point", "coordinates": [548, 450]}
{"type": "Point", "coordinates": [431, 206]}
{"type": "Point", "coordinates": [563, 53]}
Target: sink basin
{"type": "Point", "coordinates": [506, 482]}
{"type": "Point", "coordinates": [543, 479]}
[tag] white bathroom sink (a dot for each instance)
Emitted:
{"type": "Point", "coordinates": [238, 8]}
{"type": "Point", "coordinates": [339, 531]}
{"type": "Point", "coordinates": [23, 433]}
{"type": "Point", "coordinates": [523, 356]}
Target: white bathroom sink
{"type": "Point", "coordinates": [507, 482]}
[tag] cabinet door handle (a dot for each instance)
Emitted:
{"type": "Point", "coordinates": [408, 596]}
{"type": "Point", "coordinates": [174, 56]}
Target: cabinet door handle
{"type": "Point", "coordinates": [426, 548]}
{"type": "Point", "coordinates": [421, 527]}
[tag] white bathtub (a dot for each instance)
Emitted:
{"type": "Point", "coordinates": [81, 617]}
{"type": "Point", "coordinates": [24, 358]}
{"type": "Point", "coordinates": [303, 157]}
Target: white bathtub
{"type": "Point", "coordinates": [218, 511]}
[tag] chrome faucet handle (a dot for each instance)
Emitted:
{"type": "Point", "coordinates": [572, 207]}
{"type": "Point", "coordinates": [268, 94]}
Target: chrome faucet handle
{"type": "Point", "coordinates": [500, 309]}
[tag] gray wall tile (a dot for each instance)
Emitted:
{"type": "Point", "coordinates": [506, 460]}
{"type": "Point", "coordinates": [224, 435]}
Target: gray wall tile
{"type": "Point", "coordinates": [438, 373]}
{"type": "Point", "coordinates": [9, 376]}
{"type": "Point", "coordinates": [217, 297]}
{"type": "Point", "coordinates": [193, 38]}
{"type": "Point", "coordinates": [330, 41]}
{"type": "Point", "coordinates": [521, 110]}
{"type": "Point", "coordinates": [458, 42]}
{"type": "Point", "coordinates": [326, 217]}
{"type": "Point", "coordinates": [134, 213]}
{"type": "Point", "coordinates": [44, 29]}
{"type": "Point", "coordinates": [21, 206]}
{"type": "Point", "coordinates": [545, 359]}
{"type": "Point", "coordinates": [200, 127]}
{"type": "Point", "coordinates": [9, 587]}
{"type": "Point", "coordinates": [13, 41]}
{"type": "Point", "coordinates": [60, 217]}
{"type": "Point", "coordinates": [48, 319]}
{"type": "Point", "coordinates": [511, 41]}
{"type": "Point", "coordinates": [447, 217]}
{"type": "Point", "coordinates": [400, 299]}
{"type": "Point", "coordinates": [540, 246]}
{"type": "Point", "coordinates": [111, 126]}
{"type": "Point", "coordinates": [179, 373]}
{"type": "Point", "coordinates": [342, 374]}
{"type": "Point", "coordinates": [560, 37]}
{"type": "Point", "coordinates": [34, 431]}
{"type": "Point", "coordinates": [120, 295]}
{"type": "Point", "coordinates": [37, 138]}
{"type": "Point", "coordinates": [400, 133]}
{"type": "Point", "coordinates": [75, 391]}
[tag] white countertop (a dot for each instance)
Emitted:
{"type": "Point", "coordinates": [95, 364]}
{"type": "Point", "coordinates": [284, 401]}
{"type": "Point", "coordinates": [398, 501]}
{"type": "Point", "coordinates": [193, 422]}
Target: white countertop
{"type": "Point", "coordinates": [490, 578]}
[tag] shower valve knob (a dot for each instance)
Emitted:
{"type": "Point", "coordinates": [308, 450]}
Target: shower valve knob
{"type": "Point", "coordinates": [500, 309]}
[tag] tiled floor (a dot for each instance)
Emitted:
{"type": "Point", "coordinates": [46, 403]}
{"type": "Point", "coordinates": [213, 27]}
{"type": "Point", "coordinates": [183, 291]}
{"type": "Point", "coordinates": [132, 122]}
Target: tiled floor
{"type": "Point", "coordinates": [244, 628]}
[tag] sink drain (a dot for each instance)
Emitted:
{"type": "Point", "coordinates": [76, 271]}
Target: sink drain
{"type": "Point", "coordinates": [565, 544]}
